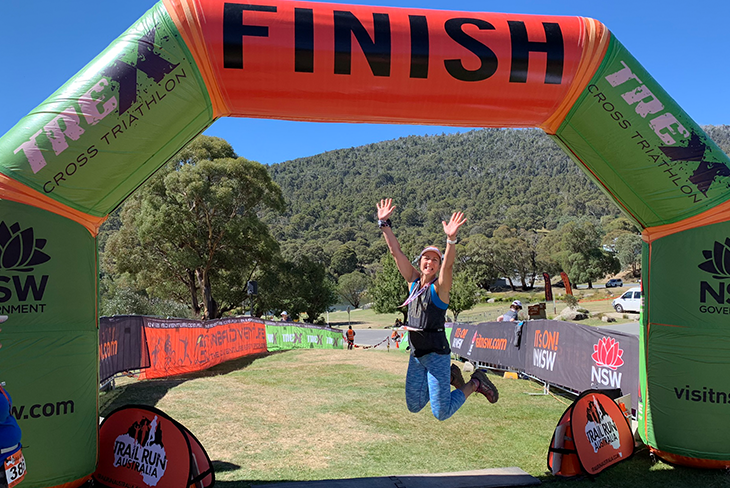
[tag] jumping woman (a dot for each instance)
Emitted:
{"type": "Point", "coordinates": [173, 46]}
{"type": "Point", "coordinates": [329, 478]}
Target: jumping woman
{"type": "Point", "coordinates": [430, 372]}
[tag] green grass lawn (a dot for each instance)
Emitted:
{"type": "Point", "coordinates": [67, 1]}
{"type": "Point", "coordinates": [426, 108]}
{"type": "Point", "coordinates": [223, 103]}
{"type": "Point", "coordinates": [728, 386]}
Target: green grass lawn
{"type": "Point", "coordinates": [323, 414]}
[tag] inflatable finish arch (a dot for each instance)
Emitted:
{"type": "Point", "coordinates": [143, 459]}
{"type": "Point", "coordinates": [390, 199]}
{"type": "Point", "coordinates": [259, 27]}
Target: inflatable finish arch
{"type": "Point", "coordinates": [71, 161]}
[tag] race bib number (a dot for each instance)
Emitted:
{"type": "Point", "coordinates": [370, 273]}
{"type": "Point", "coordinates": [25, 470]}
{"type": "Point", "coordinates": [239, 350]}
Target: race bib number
{"type": "Point", "coordinates": [15, 469]}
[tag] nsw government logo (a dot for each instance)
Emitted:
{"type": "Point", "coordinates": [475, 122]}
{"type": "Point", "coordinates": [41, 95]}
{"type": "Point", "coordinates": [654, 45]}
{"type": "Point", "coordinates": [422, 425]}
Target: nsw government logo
{"type": "Point", "coordinates": [141, 450]}
{"type": "Point", "coordinates": [608, 357]}
{"type": "Point", "coordinates": [20, 253]}
{"type": "Point", "coordinates": [713, 298]}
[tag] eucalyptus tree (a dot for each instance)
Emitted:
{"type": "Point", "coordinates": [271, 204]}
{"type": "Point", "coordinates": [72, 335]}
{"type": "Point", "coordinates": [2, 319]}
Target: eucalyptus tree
{"type": "Point", "coordinates": [193, 230]}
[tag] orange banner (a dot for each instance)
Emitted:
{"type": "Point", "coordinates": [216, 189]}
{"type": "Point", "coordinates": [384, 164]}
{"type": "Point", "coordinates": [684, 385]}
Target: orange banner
{"type": "Point", "coordinates": [566, 283]}
{"type": "Point", "coordinates": [318, 61]}
{"type": "Point", "coordinates": [183, 346]}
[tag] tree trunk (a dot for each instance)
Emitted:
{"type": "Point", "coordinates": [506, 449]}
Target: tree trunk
{"type": "Point", "coordinates": [590, 285]}
{"type": "Point", "coordinates": [211, 306]}
{"type": "Point", "coordinates": [193, 293]}
{"type": "Point", "coordinates": [524, 282]}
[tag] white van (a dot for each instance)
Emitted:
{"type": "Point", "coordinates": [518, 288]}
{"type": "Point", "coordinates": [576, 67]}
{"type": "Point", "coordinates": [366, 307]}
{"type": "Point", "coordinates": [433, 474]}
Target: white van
{"type": "Point", "coordinates": [630, 301]}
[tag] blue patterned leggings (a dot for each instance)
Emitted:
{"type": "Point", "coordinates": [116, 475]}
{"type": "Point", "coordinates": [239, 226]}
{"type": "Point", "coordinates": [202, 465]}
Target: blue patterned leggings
{"type": "Point", "coordinates": [428, 379]}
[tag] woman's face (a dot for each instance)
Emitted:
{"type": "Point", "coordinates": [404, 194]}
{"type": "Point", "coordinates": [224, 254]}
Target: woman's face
{"type": "Point", "coordinates": [430, 263]}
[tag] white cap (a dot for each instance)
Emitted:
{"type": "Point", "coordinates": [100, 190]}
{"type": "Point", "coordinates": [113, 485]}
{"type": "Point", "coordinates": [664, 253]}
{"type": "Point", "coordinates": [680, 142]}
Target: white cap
{"type": "Point", "coordinates": [284, 313]}
{"type": "Point", "coordinates": [3, 318]}
{"type": "Point", "coordinates": [517, 303]}
{"type": "Point", "coordinates": [432, 249]}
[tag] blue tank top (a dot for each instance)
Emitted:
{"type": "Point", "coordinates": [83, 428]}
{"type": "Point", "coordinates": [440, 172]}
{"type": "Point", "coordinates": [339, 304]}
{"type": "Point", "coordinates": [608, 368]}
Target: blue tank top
{"type": "Point", "coordinates": [427, 313]}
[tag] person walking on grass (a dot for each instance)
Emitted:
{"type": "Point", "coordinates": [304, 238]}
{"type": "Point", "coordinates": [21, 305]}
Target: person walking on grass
{"type": "Point", "coordinates": [430, 372]}
{"type": "Point", "coordinates": [350, 336]}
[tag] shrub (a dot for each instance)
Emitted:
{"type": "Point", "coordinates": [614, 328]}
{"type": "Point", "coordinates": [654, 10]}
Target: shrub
{"type": "Point", "coordinates": [571, 301]}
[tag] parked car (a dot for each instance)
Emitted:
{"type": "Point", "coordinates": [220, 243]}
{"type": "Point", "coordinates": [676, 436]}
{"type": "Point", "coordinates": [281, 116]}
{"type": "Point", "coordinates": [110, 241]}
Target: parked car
{"type": "Point", "coordinates": [630, 301]}
{"type": "Point", "coordinates": [560, 284]}
{"type": "Point", "coordinates": [614, 282]}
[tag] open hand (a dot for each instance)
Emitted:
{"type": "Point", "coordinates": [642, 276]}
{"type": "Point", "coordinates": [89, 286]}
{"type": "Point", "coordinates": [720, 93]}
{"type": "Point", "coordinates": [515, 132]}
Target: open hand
{"type": "Point", "coordinates": [457, 220]}
{"type": "Point", "coordinates": [385, 208]}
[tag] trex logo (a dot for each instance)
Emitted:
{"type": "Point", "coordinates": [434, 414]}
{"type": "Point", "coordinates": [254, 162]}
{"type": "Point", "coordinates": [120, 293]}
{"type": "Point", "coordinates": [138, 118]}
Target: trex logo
{"type": "Point", "coordinates": [697, 151]}
{"type": "Point", "coordinates": [147, 61]}
{"type": "Point", "coordinates": [19, 249]}
{"type": "Point", "coordinates": [96, 104]}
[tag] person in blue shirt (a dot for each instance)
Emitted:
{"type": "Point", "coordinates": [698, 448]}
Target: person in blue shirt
{"type": "Point", "coordinates": [430, 372]}
{"type": "Point", "coordinates": [512, 314]}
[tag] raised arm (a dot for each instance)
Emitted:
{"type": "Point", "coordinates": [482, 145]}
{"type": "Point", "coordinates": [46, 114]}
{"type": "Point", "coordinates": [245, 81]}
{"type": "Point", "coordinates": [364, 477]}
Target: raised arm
{"type": "Point", "coordinates": [446, 277]}
{"type": "Point", "coordinates": [385, 209]}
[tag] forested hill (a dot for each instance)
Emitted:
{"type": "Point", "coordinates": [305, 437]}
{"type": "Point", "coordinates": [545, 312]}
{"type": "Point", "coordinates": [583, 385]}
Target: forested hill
{"type": "Point", "coordinates": [520, 178]}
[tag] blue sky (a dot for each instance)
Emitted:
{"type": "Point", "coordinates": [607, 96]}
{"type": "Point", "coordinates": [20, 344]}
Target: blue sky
{"type": "Point", "coordinates": [684, 45]}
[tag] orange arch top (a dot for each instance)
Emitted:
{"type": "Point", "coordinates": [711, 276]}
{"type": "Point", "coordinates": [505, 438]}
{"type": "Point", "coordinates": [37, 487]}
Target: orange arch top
{"type": "Point", "coordinates": [321, 62]}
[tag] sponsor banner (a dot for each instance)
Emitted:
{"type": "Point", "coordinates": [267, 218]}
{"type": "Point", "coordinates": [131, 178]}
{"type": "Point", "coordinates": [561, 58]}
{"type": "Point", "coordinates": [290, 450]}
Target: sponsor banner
{"type": "Point", "coordinates": [53, 380]}
{"type": "Point", "coordinates": [548, 287]}
{"type": "Point", "coordinates": [566, 283]}
{"type": "Point", "coordinates": [122, 345]}
{"type": "Point", "coordinates": [47, 272]}
{"type": "Point", "coordinates": [110, 127]}
{"type": "Point", "coordinates": [686, 323]}
{"type": "Point", "coordinates": [50, 344]}
{"type": "Point", "coordinates": [489, 342]}
{"type": "Point", "coordinates": [581, 357]}
{"type": "Point", "coordinates": [686, 388]}
{"type": "Point", "coordinates": [179, 346]}
{"type": "Point", "coordinates": [142, 447]}
{"type": "Point", "coordinates": [640, 147]}
{"type": "Point", "coordinates": [288, 335]}
{"type": "Point", "coordinates": [601, 434]}
{"type": "Point", "coordinates": [701, 257]}
{"type": "Point", "coordinates": [416, 65]}
{"type": "Point", "coordinates": [566, 354]}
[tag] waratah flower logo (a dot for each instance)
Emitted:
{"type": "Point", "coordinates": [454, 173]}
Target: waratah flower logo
{"type": "Point", "coordinates": [718, 260]}
{"type": "Point", "coordinates": [607, 353]}
{"type": "Point", "coordinates": [19, 249]}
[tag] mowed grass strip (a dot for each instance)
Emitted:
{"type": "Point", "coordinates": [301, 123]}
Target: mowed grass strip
{"type": "Point", "coordinates": [323, 414]}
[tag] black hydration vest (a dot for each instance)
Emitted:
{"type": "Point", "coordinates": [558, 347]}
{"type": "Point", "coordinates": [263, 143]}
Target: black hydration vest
{"type": "Point", "coordinates": [425, 315]}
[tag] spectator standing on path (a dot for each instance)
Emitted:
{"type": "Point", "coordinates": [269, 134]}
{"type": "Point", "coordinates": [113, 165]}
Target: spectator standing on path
{"type": "Point", "coordinates": [350, 336]}
{"type": "Point", "coordinates": [430, 372]}
{"type": "Point", "coordinates": [284, 316]}
{"type": "Point", "coordinates": [512, 314]}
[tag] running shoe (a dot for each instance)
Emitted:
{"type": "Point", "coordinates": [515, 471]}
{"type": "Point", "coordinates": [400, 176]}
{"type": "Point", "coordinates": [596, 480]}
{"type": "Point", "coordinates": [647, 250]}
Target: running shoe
{"type": "Point", "coordinates": [484, 386]}
{"type": "Point", "coordinates": [457, 380]}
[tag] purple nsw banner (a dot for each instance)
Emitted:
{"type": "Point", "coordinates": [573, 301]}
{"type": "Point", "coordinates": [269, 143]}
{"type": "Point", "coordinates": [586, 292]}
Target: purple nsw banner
{"type": "Point", "coordinates": [122, 345]}
{"type": "Point", "coordinates": [565, 354]}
